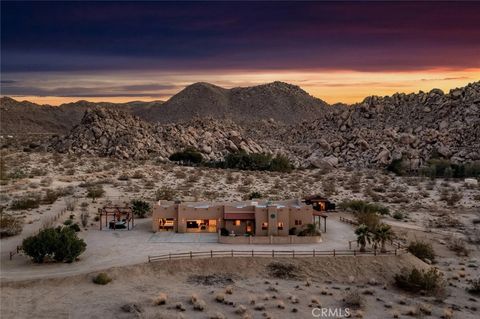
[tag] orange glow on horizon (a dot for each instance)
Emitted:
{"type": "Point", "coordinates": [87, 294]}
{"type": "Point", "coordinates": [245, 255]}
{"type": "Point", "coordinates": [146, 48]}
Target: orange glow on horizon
{"type": "Point", "coordinates": [330, 86]}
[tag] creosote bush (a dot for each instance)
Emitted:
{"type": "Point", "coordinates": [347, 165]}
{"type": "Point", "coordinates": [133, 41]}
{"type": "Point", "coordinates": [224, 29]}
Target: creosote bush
{"type": "Point", "coordinates": [188, 156]}
{"type": "Point", "coordinates": [165, 193]}
{"type": "Point", "coordinates": [101, 279]}
{"type": "Point", "coordinates": [95, 191]}
{"type": "Point", "coordinates": [26, 202]}
{"type": "Point", "coordinates": [140, 208]}
{"type": "Point", "coordinates": [415, 280]}
{"type": "Point", "coordinates": [256, 162]}
{"type": "Point", "coordinates": [9, 225]}
{"type": "Point", "coordinates": [422, 250]}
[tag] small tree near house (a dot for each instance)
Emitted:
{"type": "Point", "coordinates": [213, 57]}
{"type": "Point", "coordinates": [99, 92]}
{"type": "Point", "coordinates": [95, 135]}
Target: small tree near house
{"type": "Point", "coordinates": [140, 208]}
{"type": "Point", "coordinates": [382, 234]}
{"type": "Point", "coordinates": [363, 236]}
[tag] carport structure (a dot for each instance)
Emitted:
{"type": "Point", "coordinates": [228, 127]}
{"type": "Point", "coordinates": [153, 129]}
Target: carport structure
{"type": "Point", "coordinates": [119, 216]}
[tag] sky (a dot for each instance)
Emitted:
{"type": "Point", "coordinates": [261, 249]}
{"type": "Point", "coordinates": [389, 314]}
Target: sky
{"type": "Point", "coordinates": [118, 51]}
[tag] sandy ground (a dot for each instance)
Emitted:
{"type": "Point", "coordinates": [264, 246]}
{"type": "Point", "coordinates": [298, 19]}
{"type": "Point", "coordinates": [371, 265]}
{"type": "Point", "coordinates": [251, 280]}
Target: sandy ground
{"type": "Point", "coordinates": [66, 291]}
{"type": "Point", "coordinates": [324, 280]}
{"type": "Point", "coordinates": [109, 248]}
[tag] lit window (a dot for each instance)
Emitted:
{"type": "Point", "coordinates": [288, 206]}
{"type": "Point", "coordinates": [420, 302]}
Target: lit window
{"type": "Point", "coordinates": [298, 222]}
{"type": "Point", "coordinates": [236, 223]}
{"type": "Point", "coordinates": [280, 226]}
{"type": "Point", "coordinates": [264, 226]}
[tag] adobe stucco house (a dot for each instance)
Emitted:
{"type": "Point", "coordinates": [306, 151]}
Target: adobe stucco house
{"type": "Point", "coordinates": [253, 217]}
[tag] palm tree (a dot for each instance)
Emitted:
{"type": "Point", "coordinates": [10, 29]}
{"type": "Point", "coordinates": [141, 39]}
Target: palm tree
{"type": "Point", "coordinates": [363, 236]}
{"type": "Point", "coordinates": [383, 233]}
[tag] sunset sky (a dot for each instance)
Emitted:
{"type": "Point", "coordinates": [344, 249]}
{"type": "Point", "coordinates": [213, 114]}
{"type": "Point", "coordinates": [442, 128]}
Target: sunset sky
{"type": "Point", "coordinates": [55, 52]}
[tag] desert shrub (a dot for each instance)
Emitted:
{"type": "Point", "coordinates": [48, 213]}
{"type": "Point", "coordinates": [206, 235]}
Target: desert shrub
{"type": "Point", "coordinates": [282, 270]}
{"type": "Point", "coordinates": [61, 244]}
{"type": "Point", "coordinates": [438, 167]}
{"type": "Point", "coordinates": [10, 225]}
{"type": "Point", "coordinates": [254, 195]}
{"type": "Point", "coordinates": [458, 245]}
{"type": "Point", "coordinates": [68, 222]}
{"type": "Point", "coordinates": [310, 230]}
{"type": "Point", "coordinates": [398, 215]}
{"type": "Point", "coordinates": [256, 162]}
{"type": "Point", "coordinates": [165, 193]}
{"type": "Point", "coordinates": [50, 196]}
{"type": "Point", "coordinates": [292, 231]}
{"type": "Point", "coordinates": [422, 250]}
{"type": "Point", "coordinates": [26, 202]}
{"type": "Point", "coordinates": [75, 227]}
{"type": "Point", "coordinates": [140, 208]}
{"type": "Point", "coordinates": [123, 177]}
{"type": "Point", "coordinates": [280, 163]}
{"type": "Point", "coordinates": [95, 191]}
{"type": "Point", "coordinates": [415, 280]}
{"type": "Point", "coordinates": [138, 175]}
{"type": "Point", "coordinates": [188, 156]}
{"type": "Point", "coordinates": [397, 166]}
{"type": "Point", "coordinates": [354, 299]}
{"type": "Point", "coordinates": [101, 279]}
{"type": "Point", "coordinates": [361, 206]}
{"type": "Point", "coordinates": [371, 220]}
{"type": "Point", "coordinates": [474, 287]}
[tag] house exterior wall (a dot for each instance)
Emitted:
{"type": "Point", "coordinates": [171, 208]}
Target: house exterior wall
{"type": "Point", "coordinates": [273, 214]}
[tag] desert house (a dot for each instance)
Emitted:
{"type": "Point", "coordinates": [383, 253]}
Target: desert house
{"type": "Point", "coordinates": [259, 218]}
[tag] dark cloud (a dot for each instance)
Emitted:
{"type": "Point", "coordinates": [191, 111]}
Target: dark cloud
{"type": "Point", "coordinates": [365, 36]}
{"type": "Point", "coordinates": [140, 90]}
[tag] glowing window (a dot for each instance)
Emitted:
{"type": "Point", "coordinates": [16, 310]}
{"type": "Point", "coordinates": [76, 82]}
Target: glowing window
{"type": "Point", "coordinates": [280, 225]}
{"type": "Point", "coordinates": [236, 223]}
{"type": "Point", "coordinates": [264, 226]}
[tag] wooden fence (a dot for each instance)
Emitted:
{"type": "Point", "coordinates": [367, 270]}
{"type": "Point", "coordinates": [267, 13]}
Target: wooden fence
{"type": "Point", "coordinates": [268, 253]}
{"type": "Point", "coordinates": [348, 221]}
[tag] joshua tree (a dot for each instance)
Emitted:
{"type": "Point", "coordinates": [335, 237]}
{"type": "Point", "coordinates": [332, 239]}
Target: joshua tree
{"type": "Point", "coordinates": [383, 233]}
{"type": "Point", "coordinates": [363, 236]}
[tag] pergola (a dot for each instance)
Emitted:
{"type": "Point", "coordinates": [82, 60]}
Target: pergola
{"type": "Point", "coordinates": [118, 214]}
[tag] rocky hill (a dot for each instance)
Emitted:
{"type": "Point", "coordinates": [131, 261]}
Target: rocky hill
{"type": "Point", "coordinates": [26, 117]}
{"type": "Point", "coordinates": [412, 127]}
{"type": "Point", "coordinates": [279, 101]}
{"type": "Point", "coordinates": [110, 132]}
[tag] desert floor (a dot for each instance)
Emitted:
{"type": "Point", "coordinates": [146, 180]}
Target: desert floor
{"type": "Point", "coordinates": [66, 290]}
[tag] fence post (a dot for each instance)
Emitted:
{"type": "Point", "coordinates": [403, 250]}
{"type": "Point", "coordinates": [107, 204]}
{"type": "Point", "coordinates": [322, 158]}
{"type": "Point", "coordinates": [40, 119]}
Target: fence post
{"type": "Point", "coordinates": [375, 251]}
{"type": "Point", "coordinates": [354, 253]}
{"type": "Point", "coordinates": [273, 253]}
{"type": "Point", "coordinates": [11, 255]}
{"type": "Point", "coordinates": [252, 252]}
{"type": "Point", "coordinates": [293, 253]}
{"type": "Point", "coordinates": [232, 252]}
{"type": "Point", "coordinates": [169, 256]}
{"type": "Point", "coordinates": [190, 254]}
{"type": "Point", "coordinates": [334, 253]}
{"type": "Point", "coordinates": [313, 252]}
{"type": "Point", "coordinates": [211, 254]}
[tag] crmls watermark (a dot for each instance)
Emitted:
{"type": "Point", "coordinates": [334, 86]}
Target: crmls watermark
{"type": "Point", "coordinates": [331, 312]}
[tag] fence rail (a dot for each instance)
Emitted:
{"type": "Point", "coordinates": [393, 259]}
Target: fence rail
{"type": "Point", "coordinates": [268, 253]}
{"type": "Point", "coordinates": [348, 221]}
